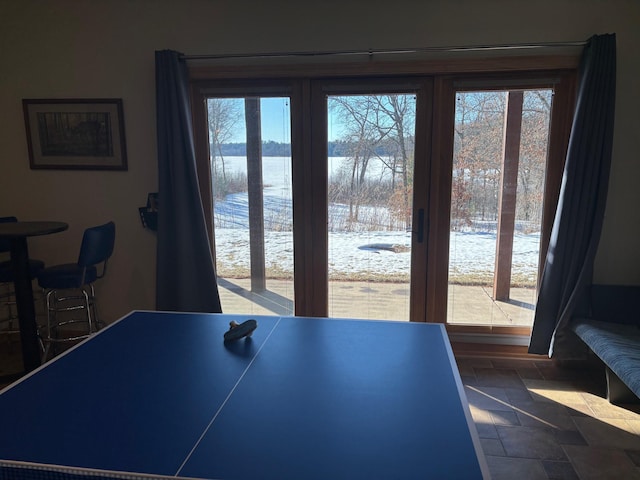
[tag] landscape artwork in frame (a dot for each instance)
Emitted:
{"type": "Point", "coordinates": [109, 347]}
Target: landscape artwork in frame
{"type": "Point", "coordinates": [78, 134]}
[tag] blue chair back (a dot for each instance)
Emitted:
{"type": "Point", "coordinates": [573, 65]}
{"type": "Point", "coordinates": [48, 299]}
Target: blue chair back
{"type": "Point", "coordinates": [97, 245]}
{"type": "Point", "coordinates": [5, 245]}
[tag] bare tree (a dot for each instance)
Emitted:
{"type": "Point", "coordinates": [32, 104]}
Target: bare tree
{"type": "Point", "coordinates": [536, 116]}
{"type": "Point", "coordinates": [378, 127]}
{"type": "Point", "coordinates": [224, 115]}
{"type": "Point", "coordinates": [400, 111]}
{"type": "Point", "coordinates": [360, 139]}
{"type": "Point", "coordinates": [477, 166]}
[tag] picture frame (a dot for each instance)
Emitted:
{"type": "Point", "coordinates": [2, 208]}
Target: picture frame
{"type": "Point", "coordinates": [75, 134]}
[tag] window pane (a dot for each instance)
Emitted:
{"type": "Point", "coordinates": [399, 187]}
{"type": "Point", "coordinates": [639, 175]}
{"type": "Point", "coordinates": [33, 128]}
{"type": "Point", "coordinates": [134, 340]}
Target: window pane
{"type": "Point", "coordinates": [497, 194]}
{"type": "Point", "coordinates": [250, 155]}
{"type": "Point", "coordinates": [370, 190]}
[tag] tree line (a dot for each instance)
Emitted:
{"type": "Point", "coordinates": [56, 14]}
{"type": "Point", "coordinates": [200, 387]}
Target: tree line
{"type": "Point", "coordinates": [270, 148]}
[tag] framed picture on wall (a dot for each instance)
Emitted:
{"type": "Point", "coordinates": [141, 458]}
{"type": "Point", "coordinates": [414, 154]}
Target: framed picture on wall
{"type": "Point", "coordinates": [75, 134]}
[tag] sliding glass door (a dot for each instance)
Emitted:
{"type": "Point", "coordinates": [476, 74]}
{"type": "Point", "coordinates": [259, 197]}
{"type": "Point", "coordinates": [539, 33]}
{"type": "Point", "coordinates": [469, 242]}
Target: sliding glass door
{"type": "Point", "coordinates": [354, 198]}
{"type": "Point", "coordinates": [370, 165]}
{"type": "Point", "coordinates": [398, 198]}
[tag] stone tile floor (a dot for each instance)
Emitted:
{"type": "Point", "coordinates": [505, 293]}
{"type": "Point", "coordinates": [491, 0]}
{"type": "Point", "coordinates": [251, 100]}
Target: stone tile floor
{"type": "Point", "coordinates": [539, 421]}
{"type": "Point", "coordinates": [534, 420]}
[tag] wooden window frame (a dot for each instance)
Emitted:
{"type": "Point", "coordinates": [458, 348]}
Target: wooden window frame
{"type": "Point", "coordinates": [563, 82]}
{"type": "Point", "coordinates": [296, 80]}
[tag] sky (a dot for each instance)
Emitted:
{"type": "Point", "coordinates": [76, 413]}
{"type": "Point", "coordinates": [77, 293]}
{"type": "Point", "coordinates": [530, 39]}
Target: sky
{"type": "Point", "coordinates": [276, 123]}
{"type": "Point", "coordinates": [275, 114]}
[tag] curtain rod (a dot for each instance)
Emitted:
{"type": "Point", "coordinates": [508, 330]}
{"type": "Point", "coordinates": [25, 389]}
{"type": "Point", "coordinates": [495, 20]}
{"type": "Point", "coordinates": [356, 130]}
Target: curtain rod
{"type": "Point", "coordinates": [516, 46]}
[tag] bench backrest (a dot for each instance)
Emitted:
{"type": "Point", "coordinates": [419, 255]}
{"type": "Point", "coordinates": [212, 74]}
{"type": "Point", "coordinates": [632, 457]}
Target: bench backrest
{"type": "Point", "coordinates": [616, 303]}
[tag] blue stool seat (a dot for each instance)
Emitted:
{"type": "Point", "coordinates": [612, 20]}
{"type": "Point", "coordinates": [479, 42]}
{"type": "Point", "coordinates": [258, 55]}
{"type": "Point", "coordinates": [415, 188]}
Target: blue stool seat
{"type": "Point", "coordinates": [68, 275]}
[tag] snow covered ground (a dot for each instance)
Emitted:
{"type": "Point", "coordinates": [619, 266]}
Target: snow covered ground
{"type": "Point", "coordinates": [350, 253]}
{"type": "Point", "coordinates": [472, 254]}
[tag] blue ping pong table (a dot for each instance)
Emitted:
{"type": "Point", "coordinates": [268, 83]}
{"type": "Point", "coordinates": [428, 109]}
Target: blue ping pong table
{"type": "Point", "coordinates": [161, 394]}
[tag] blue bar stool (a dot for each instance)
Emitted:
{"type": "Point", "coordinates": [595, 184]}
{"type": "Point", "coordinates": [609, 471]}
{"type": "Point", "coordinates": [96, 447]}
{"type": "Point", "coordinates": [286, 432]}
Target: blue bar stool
{"type": "Point", "coordinates": [69, 287]}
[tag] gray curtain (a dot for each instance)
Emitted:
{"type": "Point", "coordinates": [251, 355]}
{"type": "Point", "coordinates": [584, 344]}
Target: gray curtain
{"type": "Point", "coordinates": [186, 278]}
{"type": "Point", "coordinates": [568, 268]}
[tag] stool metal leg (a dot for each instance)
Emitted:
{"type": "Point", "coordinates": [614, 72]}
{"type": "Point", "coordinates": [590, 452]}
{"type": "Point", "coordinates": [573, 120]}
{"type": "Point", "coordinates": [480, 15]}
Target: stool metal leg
{"type": "Point", "coordinates": [57, 303]}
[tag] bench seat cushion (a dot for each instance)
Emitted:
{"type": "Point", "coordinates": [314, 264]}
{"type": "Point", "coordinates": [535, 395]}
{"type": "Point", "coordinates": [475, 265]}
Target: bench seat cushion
{"type": "Point", "coordinates": [618, 345]}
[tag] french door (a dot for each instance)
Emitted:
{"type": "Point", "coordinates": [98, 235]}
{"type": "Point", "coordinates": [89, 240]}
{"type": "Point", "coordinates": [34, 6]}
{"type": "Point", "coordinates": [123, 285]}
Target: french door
{"type": "Point", "coordinates": [369, 158]}
{"type": "Point", "coordinates": [318, 195]}
{"type": "Point", "coordinates": [342, 197]}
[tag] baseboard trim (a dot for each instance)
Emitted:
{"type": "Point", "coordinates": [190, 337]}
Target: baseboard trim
{"type": "Point", "coordinates": [494, 351]}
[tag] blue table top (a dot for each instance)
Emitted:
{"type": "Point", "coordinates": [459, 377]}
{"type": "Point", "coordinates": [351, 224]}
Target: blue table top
{"type": "Point", "coordinates": [161, 393]}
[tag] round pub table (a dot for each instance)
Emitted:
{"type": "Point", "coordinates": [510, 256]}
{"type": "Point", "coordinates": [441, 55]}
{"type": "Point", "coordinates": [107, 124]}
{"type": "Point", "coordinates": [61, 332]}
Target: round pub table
{"type": "Point", "coordinates": [17, 234]}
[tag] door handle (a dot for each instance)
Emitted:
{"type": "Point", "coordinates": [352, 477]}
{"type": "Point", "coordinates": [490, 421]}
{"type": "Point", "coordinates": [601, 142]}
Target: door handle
{"type": "Point", "coordinates": [420, 231]}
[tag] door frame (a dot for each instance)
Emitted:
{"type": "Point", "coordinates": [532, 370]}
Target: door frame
{"type": "Point", "coordinates": [563, 82]}
{"type": "Point", "coordinates": [297, 80]}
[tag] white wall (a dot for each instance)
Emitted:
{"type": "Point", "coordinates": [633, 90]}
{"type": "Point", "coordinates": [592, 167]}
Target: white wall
{"type": "Point", "coordinates": [105, 48]}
